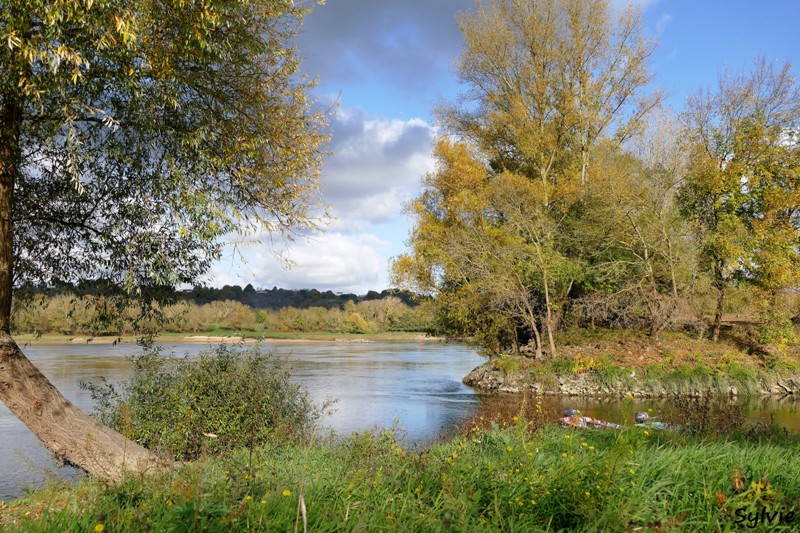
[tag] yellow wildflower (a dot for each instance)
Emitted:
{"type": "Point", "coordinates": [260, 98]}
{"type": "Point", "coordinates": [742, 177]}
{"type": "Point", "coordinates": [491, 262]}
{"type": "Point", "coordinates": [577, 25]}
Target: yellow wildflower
{"type": "Point", "coordinates": [287, 492]}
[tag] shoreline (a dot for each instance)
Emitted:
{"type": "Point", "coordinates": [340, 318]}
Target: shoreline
{"type": "Point", "coordinates": [192, 338]}
{"type": "Point", "coordinates": [622, 382]}
{"type": "Point", "coordinates": [486, 379]}
{"type": "Point", "coordinates": [628, 364]}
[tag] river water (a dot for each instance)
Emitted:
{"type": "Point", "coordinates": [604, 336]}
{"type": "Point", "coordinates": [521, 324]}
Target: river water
{"type": "Point", "coordinates": [416, 386]}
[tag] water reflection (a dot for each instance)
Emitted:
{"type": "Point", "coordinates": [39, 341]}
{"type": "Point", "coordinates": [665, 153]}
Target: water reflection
{"type": "Point", "coordinates": [781, 411]}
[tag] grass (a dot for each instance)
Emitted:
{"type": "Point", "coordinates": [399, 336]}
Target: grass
{"type": "Point", "coordinates": [493, 479]}
{"type": "Point", "coordinates": [620, 362]}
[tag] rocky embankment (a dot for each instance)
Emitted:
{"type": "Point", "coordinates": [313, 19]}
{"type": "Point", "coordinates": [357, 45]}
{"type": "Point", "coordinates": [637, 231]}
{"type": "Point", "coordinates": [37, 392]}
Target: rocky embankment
{"type": "Point", "coordinates": [489, 378]}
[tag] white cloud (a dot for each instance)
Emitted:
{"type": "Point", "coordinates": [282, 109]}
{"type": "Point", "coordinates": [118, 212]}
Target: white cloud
{"type": "Point", "coordinates": [662, 23]}
{"type": "Point", "coordinates": [375, 168]}
{"type": "Point", "coordinates": [376, 165]}
{"type": "Point", "coordinates": [336, 261]}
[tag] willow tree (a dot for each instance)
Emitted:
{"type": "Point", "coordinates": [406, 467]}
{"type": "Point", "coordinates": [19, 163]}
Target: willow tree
{"type": "Point", "coordinates": [741, 191]}
{"type": "Point", "coordinates": [547, 80]}
{"type": "Point", "coordinates": [133, 136]}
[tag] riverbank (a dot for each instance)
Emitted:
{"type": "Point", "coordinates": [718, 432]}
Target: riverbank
{"type": "Point", "coordinates": [509, 479]}
{"type": "Point", "coordinates": [620, 364]}
{"type": "Point", "coordinates": [229, 337]}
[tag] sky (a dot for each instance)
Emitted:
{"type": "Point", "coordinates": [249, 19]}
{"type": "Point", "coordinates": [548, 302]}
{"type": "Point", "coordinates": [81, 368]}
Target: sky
{"type": "Point", "coordinates": [382, 65]}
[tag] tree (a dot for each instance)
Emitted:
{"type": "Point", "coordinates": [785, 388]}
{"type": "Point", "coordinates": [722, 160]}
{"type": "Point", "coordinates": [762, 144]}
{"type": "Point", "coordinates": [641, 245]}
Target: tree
{"type": "Point", "coordinates": [457, 249]}
{"type": "Point", "coordinates": [741, 190]}
{"type": "Point", "coordinates": [546, 81]}
{"type": "Point", "coordinates": [133, 135]}
{"type": "Point", "coordinates": [631, 227]}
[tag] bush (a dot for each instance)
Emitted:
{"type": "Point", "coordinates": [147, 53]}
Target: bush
{"type": "Point", "coordinates": [221, 400]}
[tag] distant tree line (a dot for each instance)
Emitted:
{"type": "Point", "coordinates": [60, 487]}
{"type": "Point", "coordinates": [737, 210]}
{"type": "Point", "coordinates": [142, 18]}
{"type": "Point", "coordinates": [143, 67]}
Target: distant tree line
{"type": "Point", "coordinates": [276, 298]}
{"type": "Point", "coordinates": [88, 312]}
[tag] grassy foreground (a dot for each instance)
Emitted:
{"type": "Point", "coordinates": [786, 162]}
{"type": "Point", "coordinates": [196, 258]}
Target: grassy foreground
{"type": "Point", "coordinates": [509, 479]}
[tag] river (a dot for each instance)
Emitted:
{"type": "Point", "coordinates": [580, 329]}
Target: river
{"type": "Point", "coordinates": [414, 385]}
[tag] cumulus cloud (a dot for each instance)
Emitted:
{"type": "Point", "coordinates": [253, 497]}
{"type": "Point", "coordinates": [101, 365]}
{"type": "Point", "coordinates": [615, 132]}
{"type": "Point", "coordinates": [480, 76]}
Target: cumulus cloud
{"type": "Point", "coordinates": [375, 168]}
{"type": "Point", "coordinates": [376, 164]}
{"type": "Point", "coordinates": [335, 261]}
{"type": "Point", "coordinates": [408, 45]}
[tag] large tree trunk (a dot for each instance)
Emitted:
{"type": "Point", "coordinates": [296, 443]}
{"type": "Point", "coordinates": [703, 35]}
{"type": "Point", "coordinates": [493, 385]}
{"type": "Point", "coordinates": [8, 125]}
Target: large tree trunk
{"type": "Point", "coordinates": [10, 123]}
{"type": "Point", "coordinates": [63, 428]}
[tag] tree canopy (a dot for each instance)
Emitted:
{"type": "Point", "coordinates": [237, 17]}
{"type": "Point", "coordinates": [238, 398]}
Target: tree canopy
{"type": "Point", "coordinates": [564, 192]}
{"type": "Point", "coordinates": [742, 186]}
{"type": "Point", "coordinates": [137, 133]}
{"type": "Point", "coordinates": [134, 135]}
{"type": "Point", "coordinates": [546, 82]}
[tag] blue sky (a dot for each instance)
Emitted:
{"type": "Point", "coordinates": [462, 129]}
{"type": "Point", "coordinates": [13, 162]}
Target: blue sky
{"type": "Point", "coordinates": [388, 62]}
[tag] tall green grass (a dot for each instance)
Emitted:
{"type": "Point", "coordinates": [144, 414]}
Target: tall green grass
{"type": "Point", "coordinates": [497, 479]}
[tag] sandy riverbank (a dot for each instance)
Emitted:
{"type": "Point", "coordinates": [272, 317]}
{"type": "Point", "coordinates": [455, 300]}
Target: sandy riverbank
{"type": "Point", "coordinates": [188, 338]}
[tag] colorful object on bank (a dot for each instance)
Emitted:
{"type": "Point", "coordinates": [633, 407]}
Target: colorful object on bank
{"type": "Point", "coordinates": [573, 418]}
{"type": "Point", "coordinates": [644, 419]}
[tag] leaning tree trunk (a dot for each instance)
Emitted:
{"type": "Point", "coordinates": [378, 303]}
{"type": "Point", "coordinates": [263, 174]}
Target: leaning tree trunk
{"type": "Point", "coordinates": [63, 428]}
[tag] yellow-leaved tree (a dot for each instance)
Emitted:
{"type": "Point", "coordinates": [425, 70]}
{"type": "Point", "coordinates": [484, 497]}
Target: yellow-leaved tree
{"type": "Point", "coordinates": [546, 81]}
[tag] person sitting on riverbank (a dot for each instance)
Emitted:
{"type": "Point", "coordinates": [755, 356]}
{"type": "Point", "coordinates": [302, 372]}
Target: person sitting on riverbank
{"type": "Point", "coordinates": [573, 418]}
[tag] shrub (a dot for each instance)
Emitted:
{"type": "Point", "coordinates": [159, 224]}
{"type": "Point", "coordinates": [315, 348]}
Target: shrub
{"type": "Point", "coordinates": [356, 323]}
{"type": "Point", "coordinates": [223, 399]}
{"type": "Point", "coordinates": [507, 364]}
